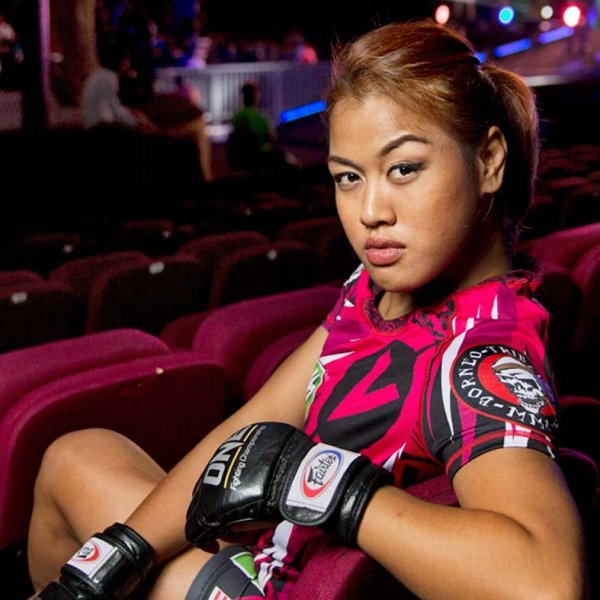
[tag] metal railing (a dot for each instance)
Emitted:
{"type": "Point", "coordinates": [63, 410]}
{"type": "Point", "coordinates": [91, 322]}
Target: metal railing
{"type": "Point", "coordinates": [283, 85]}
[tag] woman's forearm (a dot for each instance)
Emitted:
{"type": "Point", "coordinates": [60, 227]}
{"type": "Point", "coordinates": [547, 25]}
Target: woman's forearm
{"type": "Point", "coordinates": [447, 552]}
{"type": "Point", "coordinates": [160, 518]}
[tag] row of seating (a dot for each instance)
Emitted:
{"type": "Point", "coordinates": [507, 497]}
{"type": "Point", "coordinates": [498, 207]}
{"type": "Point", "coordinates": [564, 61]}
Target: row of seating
{"type": "Point", "coordinates": [130, 289]}
{"type": "Point", "coordinates": [172, 294]}
{"type": "Point", "coordinates": [566, 196]}
{"type": "Point", "coordinates": [42, 252]}
{"type": "Point", "coordinates": [567, 191]}
{"type": "Point", "coordinates": [570, 290]}
{"type": "Point", "coordinates": [166, 400]}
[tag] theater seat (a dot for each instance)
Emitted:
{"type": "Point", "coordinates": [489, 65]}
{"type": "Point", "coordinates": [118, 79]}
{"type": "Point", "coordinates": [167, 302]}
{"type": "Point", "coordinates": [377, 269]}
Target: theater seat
{"type": "Point", "coordinates": [309, 231]}
{"type": "Point", "coordinates": [234, 335]}
{"type": "Point", "coordinates": [326, 235]}
{"type": "Point", "coordinates": [180, 333]}
{"type": "Point", "coordinates": [154, 237]}
{"type": "Point", "coordinates": [146, 294]}
{"type": "Point", "coordinates": [18, 276]}
{"type": "Point", "coordinates": [579, 427]}
{"type": "Point", "coordinates": [24, 370]}
{"type": "Point", "coordinates": [210, 249]}
{"type": "Point", "coordinates": [586, 342]}
{"type": "Point", "coordinates": [566, 247]}
{"type": "Point", "coordinates": [261, 271]}
{"type": "Point", "coordinates": [35, 312]}
{"type": "Point", "coordinates": [582, 206]}
{"type": "Point", "coordinates": [561, 297]}
{"type": "Point", "coordinates": [79, 274]}
{"type": "Point", "coordinates": [44, 252]}
{"type": "Point", "coordinates": [164, 403]}
{"type": "Point", "coordinates": [270, 358]}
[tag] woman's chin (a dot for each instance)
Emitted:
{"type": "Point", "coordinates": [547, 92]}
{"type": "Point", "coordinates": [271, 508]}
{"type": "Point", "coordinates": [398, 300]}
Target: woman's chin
{"type": "Point", "coordinates": [390, 282]}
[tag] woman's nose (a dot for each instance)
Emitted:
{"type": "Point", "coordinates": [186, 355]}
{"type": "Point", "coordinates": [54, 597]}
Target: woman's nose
{"type": "Point", "coordinates": [377, 208]}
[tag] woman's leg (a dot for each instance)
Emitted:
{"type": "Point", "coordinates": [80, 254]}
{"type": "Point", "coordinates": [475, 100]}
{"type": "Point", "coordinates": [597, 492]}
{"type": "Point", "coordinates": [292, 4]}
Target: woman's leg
{"type": "Point", "coordinates": [88, 480]}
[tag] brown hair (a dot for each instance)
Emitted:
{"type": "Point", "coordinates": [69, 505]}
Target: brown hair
{"type": "Point", "coordinates": [433, 71]}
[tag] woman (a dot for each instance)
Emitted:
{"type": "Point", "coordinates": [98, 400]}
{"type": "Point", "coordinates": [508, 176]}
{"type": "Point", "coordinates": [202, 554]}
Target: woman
{"type": "Point", "coordinates": [432, 360]}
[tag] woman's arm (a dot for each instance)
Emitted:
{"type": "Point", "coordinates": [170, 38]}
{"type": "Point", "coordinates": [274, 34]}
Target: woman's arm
{"type": "Point", "coordinates": [205, 150]}
{"type": "Point", "coordinates": [160, 519]}
{"type": "Point", "coordinates": [517, 533]}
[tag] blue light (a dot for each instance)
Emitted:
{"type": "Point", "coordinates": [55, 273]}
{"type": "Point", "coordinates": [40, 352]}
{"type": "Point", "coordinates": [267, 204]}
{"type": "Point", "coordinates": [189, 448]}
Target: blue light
{"type": "Point", "coordinates": [506, 15]}
{"type": "Point", "coordinates": [512, 47]}
{"type": "Point", "coordinates": [294, 114]}
{"type": "Point", "coordinates": [481, 56]}
{"type": "Point", "coordinates": [555, 34]}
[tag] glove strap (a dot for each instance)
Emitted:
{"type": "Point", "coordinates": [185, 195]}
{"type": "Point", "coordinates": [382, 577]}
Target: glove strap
{"type": "Point", "coordinates": [110, 564]}
{"type": "Point", "coordinates": [331, 489]}
{"type": "Point", "coordinates": [317, 484]}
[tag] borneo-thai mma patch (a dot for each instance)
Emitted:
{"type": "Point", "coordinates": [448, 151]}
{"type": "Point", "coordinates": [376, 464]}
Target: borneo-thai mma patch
{"type": "Point", "coordinates": [501, 382]}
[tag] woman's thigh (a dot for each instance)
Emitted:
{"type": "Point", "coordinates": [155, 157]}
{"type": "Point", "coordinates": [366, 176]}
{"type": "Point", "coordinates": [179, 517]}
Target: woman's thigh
{"type": "Point", "coordinates": [88, 480]}
{"type": "Point", "coordinates": [97, 477]}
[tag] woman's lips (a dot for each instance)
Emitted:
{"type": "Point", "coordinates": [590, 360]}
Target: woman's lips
{"type": "Point", "coordinates": [383, 252]}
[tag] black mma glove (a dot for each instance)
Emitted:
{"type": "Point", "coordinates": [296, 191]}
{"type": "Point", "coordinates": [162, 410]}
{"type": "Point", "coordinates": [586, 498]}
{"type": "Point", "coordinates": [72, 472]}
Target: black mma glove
{"type": "Point", "coordinates": [108, 566]}
{"type": "Point", "coordinates": [267, 471]}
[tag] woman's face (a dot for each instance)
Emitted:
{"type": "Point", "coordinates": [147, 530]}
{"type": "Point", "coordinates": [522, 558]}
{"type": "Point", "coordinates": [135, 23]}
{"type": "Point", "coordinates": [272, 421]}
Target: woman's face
{"type": "Point", "coordinates": [405, 195]}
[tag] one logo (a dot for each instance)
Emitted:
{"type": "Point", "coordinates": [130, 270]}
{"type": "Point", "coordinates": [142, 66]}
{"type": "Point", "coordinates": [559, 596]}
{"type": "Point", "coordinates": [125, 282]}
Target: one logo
{"type": "Point", "coordinates": [227, 453]}
{"type": "Point", "coordinates": [89, 552]}
{"type": "Point", "coordinates": [501, 382]}
{"type": "Point", "coordinates": [319, 472]}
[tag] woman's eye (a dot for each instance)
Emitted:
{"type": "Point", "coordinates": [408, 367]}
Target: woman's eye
{"type": "Point", "coordinates": [405, 169]}
{"type": "Point", "coordinates": [346, 179]}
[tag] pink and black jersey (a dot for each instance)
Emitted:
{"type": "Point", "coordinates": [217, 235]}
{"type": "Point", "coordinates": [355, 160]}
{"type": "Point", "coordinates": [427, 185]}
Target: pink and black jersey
{"type": "Point", "coordinates": [422, 394]}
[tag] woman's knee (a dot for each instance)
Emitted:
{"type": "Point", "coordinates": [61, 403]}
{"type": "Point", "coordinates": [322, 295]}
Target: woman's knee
{"type": "Point", "coordinates": [88, 450]}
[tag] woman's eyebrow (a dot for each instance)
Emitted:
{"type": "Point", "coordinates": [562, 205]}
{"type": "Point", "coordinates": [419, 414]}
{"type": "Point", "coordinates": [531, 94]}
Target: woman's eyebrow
{"type": "Point", "coordinates": [392, 145]}
{"type": "Point", "coordinates": [403, 139]}
{"type": "Point", "coordinates": [342, 161]}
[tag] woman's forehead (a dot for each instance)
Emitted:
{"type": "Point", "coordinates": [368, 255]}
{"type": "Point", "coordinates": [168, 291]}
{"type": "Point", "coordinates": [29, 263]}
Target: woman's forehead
{"type": "Point", "coordinates": [378, 116]}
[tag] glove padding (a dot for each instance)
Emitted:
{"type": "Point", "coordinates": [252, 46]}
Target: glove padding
{"type": "Point", "coordinates": [267, 471]}
{"type": "Point", "coordinates": [109, 566]}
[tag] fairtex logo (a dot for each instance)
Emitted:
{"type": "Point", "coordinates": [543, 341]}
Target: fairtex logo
{"type": "Point", "coordinates": [320, 472]}
{"type": "Point", "coordinates": [89, 552]}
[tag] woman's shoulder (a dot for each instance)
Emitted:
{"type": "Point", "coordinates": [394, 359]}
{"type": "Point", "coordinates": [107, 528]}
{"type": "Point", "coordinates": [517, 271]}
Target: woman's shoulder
{"type": "Point", "coordinates": [506, 297]}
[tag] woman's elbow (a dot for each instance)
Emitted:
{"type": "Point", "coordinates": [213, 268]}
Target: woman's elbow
{"type": "Point", "coordinates": [567, 583]}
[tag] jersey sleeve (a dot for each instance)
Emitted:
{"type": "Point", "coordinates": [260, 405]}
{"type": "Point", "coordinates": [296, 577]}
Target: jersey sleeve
{"type": "Point", "coordinates": [492, 388]}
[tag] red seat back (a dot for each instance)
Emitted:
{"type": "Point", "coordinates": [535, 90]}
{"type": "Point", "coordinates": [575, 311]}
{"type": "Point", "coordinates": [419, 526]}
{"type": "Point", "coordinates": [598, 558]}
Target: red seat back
{"type": "Point", "coordinates": [308, 231]}
{"type": "Point", "coordinates": [270, 358]}
{"type": "Point", "coordinates": [234, 335]}
{"type": "Point", "coordinates": [79, 274]}
{"type": "Point", "coordinates": [210, 249]}
{"type": "Point", "coordinates": [261, 271]}
{"type": "Point", "coordinates": [566, 247]}
{"type": "Point", "coordinates": [146, 294]}
{"type": "Point", "coordinates": [24, 370]}
{"type": "Point", "coordinates": [35, 312]}
{"type": "Point", "coordinates": [18, 276]}
{"type": "Point", "coordinates": [587, 277]}
{"type": "Point", "coordinates": [164, 403]}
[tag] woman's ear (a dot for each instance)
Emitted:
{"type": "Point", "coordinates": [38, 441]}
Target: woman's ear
{"type": "Point", "coordinates": [492, 160]}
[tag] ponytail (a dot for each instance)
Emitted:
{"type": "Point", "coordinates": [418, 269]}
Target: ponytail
{"type": "Point", "coordinates": [518, 120]}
